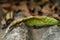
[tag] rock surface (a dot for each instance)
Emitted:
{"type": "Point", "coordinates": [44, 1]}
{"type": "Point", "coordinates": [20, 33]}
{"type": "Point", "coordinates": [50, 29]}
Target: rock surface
{"type": "Point", "coordinates": [46, 33]}
{"type": "Point", "coordinates": [18, 33]}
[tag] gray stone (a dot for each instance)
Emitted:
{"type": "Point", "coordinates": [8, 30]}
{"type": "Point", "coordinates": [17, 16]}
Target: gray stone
{"type": "Point", "coordinates": [47, 33]}
{"type": "Point", "coordinates": [18, 33]}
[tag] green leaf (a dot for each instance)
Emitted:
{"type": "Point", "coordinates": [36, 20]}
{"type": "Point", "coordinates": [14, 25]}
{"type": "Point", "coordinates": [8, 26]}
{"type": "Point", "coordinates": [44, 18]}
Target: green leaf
{"type": "Point", "coordinates": [43, 21]}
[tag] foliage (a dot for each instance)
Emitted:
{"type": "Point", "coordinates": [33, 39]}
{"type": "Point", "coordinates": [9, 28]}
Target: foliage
{"type": "Point", "coordinates": [43, 21]}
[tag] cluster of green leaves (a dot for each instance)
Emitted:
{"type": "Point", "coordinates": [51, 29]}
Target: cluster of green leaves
{"type": "Point", "coordinates": [43, 21]}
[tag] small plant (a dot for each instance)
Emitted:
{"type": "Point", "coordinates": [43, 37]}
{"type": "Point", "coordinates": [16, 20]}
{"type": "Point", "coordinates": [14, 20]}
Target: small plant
{"type": "Point", "coordinates": [34, 20]}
